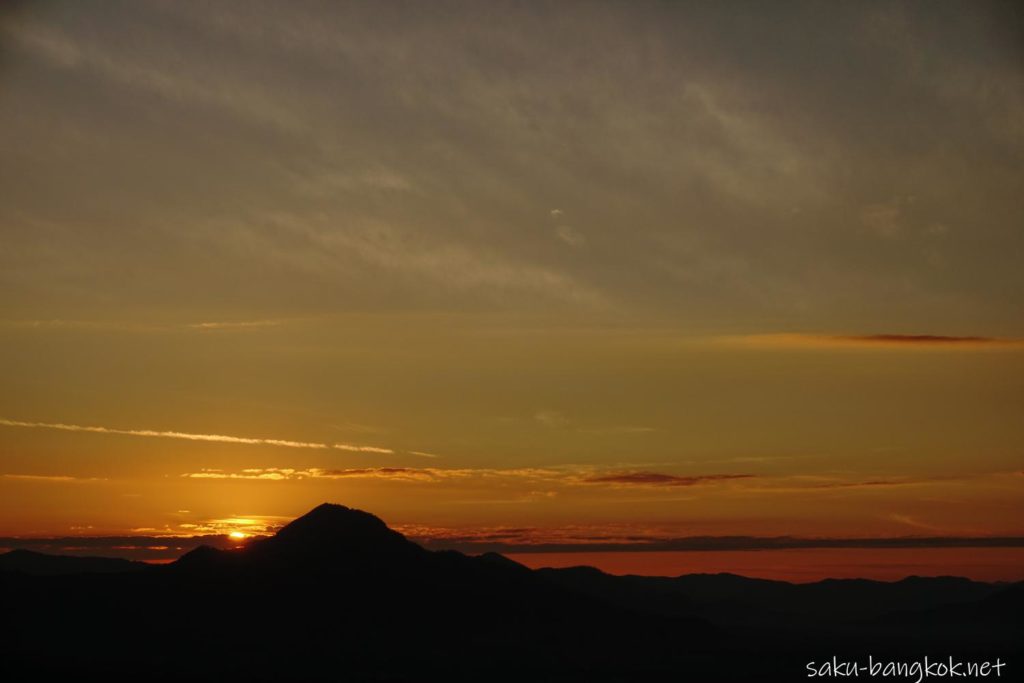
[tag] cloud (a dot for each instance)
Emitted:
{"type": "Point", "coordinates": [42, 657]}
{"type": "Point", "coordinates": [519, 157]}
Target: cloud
{"type": "Point", "coordinates": [541, 542]}
{"type": "Point", "coordinates": [868, 341]}
{"type": "Point", "coordinates": [812, 484]}
{"type": "Point", "coordinates": [694, 140]}
{"type": "Point", "coordinates": [132, 326]}
{"type": "Point", "coordinates": [913, 521]}
{"type": "Point", "coordinates": [551, 418]}
{"type": "Point", "coordinates": [556, 420]}
{"type": "Point", "coordinates": [532, 475]}
{"type": "Point", "coordinates": [361, 449]}
{"type": "Point", "coordinates": [235, 325]}
{"type": "Point", "coordinates": [219, 438]}
{"type": "Point", "coordinates": [331, 182]}
{"type": "Point", "coordinates": [619, 429]}
{"type": "Point", "coordinates": [251, 525]}
{"type": "Point", "coordinates": [244, 100]}
{"type": "Point", "coordinates": [570, 236]}
{"type": "Point", "coordinates": [659, 479]}
{"type": "Point", "coordinates": [615, 538]}
{"type": "Point", "coordinates": [884, 219]}
{"type": "Point", "coordinates": [424, 454]}
{"type": "Point", "coordinates": [269, 473]}
{"type": "Point", "coordinates": [534, 484]}
{"type": "Point", "coordinates": [405, 473]}
{"type": "Point", "coordinates": [321, 247]}
{"type": "Point", "coordinates": [145, 548]}
{"type": "Point", "coordinates": [288, 473]}
{"type": "Point", "coordinates": [873, 483]}
{"type": "Point", "coordinates": [927, 340]}
{"type": "Point", "coordinates": [54, 478]}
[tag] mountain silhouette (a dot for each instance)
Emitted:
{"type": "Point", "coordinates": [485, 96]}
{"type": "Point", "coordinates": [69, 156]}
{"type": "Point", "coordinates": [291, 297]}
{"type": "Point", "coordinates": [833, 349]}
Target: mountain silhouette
{"type": "Point", "coordinates": [42, 564]}
{"type": "Point", "coordinates": [329, 537]}
{"type": "Point", "coordinates": [342, 528]}
{"type": "Point", "coordinates": [336, 595]}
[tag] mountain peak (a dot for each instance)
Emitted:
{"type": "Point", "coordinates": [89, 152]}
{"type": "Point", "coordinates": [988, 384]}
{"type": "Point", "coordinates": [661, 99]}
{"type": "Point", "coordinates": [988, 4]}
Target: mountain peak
{"type": "Point", "coordinates": [331, 521]}
{"type": "Point", "coordinates": [330, 528]}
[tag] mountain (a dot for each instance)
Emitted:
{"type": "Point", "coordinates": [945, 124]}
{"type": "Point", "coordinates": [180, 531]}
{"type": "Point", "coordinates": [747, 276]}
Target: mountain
{"type": "Point", "coordinates": [337, 529]}
{"type": "Point", "coordinates": [338, 596]}
{"type": "Point", "coordinates": [41, 564]}
{"type": "Point", "coordinates": [759, 600]}
{"type": "Point", "coordinates": [328, 538]}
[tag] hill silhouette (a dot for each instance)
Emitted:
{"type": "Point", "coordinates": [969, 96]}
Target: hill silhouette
{"type": "Point", "coordinates": [338, 596]}
{"type": "Point", "coordinates": [42, 564]}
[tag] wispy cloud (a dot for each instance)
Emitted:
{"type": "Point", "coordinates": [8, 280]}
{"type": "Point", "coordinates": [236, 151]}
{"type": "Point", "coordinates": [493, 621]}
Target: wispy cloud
{"type": "Point", "coordinates": [881, 341]}
{"type": "Point", "coordinates": [136, 326]}
{"type": "Point", "coordinates": [553, 477]}
{"type": "Point", "coordinates": [618, 430]}
{"type": "Point", "coordinates": [60, 324]}
{"type": "Point", "coordinates": [420, 474]}
{"type": "Point", "coordinates": [551, 418]}
{"type": "Point", "coordinates": [556, 420]}
{"type": "Point", "coordinates": [361, 449]}
{"type": "Point", "coordinates": [534, 478]}
{"type": "Point", "coordinates": [872, 483]}
{"type": "Point", "coordinates": [288, 473]}
{"type": "Point", "coordinates": [246, 101]}
{"type": "Point", "coordinates": [220, 438]}
{"type": "Point", "coordinates": [188, 436]}
{"type": "Point", "coordinates": [235, 325]}
{"type": "Point", "coordinates": [660, 479]}
{"type": "Point", "coordinates": [914, 522]}
{"type": "Point", "coordinates": [570, 235]}
{"type": "Point", "coordinates": [52, 478]}
{"type": "Point", "coordinates": [551, 480]}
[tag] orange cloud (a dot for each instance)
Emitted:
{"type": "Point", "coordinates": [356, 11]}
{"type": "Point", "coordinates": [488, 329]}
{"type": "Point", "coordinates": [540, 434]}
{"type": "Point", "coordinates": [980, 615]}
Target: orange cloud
{"type": "Point", "coordinates": [53, 478]}
{"type": "Point", "coordinates": [289, 473]}
{"type": "Point", "coordinates": [553, 476]}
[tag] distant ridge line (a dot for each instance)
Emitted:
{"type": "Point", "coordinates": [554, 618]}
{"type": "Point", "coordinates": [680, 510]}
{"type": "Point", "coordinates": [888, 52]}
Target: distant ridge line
{"type": "Point", "coordinates": [719, 543]}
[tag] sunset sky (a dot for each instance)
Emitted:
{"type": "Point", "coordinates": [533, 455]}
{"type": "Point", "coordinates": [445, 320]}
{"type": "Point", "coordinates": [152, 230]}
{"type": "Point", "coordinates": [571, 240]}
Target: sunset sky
{"type": "Point", "coordinates": [514, 273]}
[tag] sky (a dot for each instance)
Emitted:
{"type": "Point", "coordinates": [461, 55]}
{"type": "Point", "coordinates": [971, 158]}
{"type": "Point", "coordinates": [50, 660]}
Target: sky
{"type": "Point", "coordinates": [514, 273]}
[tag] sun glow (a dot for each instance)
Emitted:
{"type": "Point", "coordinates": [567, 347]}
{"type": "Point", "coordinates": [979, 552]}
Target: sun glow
{"type": "Point", "coordinates": [238, 535]}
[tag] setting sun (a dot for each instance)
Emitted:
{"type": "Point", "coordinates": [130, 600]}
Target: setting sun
{"type": "Point", "coordinates": [237, 535]}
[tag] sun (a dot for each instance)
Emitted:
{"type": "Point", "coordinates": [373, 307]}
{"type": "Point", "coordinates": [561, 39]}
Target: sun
{"type": "Point", "coordinates": [237, 535]}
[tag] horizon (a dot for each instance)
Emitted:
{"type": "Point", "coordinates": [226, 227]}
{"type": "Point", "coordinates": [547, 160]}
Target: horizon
{"type": "Point", "coordinates": [787, 559]}
{"type": "Point", "coordinates": [656, 284]}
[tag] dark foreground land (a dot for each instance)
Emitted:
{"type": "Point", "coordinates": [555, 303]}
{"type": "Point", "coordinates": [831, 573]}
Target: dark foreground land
{"type": "Point", "coordinates": [337, 596]}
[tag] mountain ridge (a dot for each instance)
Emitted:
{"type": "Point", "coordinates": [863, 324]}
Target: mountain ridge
{"type": "Point", "coordinates": [347, 598]}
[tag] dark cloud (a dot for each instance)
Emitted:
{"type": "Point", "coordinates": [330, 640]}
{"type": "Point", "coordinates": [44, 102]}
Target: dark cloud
{"type": "Point", "coordinates": [870, 483]}
{"type": "Point", "coordinates": [165, 548]}
{"type": "Point", "coordinates": [471, 544]}
{"type": "Point", "coordinates": [146, 548]}
{"type": "Point", "coordinates": [370, 471]}
{"type": "Point", "coordinates": [659, 479]}
{"type": "Point", "coordinates": [928, 340]}
{"type": "Point", "coordinates": [905, 341]}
